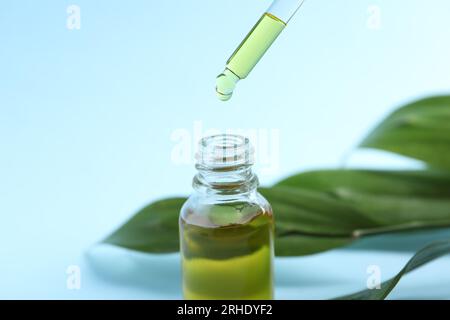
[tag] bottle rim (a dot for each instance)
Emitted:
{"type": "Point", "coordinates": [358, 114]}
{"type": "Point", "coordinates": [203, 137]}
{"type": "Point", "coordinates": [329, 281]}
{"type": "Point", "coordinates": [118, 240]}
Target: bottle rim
{"type": "Point", "coordinates": [224, 151]}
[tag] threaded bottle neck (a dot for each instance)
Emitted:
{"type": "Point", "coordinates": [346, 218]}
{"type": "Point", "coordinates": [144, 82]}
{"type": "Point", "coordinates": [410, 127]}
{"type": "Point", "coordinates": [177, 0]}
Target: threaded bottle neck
{"type": "Point", "coordinates": [224, 165]}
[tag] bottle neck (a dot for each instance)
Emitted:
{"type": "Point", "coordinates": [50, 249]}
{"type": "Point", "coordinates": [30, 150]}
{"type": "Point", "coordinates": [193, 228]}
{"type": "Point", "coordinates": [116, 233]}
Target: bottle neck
{"type": "Point", "coordinates": [224, 167]}
{"type": "Point", "coordinates": [227, 182]}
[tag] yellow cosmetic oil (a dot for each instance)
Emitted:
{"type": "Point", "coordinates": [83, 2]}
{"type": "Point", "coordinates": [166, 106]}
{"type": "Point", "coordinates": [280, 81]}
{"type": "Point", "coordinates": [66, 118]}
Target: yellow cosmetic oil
{"type": "Point", "coordinates": [228, 262]}
{"type": "Point", "coordinates": [226, 226]}
{"type": "Point", "coordinates": [255, 45]}
{"type": "Point", "coordinates": [248, 53]}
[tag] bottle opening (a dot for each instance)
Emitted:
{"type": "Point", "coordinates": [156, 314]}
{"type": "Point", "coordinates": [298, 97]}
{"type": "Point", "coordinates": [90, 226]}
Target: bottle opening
{"type": "Point", "coordinates": [224, 151]}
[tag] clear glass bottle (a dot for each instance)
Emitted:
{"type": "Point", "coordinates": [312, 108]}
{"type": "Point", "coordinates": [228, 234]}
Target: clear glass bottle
{"type": "Point", "coordinates": [226, 226]}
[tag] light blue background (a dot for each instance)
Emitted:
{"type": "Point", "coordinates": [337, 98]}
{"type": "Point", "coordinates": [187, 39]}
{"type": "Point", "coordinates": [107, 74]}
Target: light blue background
{"type": "Point", "coordinates": [86, 118]}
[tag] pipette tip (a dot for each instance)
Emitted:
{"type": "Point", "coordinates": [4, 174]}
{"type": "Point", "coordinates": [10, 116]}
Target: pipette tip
{"type": "Point", "coordinates": [225, 84]}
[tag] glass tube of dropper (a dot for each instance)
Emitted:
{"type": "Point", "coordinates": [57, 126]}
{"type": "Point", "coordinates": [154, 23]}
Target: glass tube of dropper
{"type": "Point", "coordinates": [254, 45]}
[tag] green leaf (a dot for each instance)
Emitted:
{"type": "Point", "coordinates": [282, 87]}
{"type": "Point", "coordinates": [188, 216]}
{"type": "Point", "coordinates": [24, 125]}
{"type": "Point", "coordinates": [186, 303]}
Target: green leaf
{"type": "Point", "coordinates": [153, 229]}
{"type": "Point", "coordinates": [317, 211]}
{"type": "Point", "coordinates": [419, 130]}
{"type": "Point", "coordinates": [423, 256]}
{"type": "Point", "coordinates": [340, 206]}
{"type": "Point", "coordinates": [383, 198]}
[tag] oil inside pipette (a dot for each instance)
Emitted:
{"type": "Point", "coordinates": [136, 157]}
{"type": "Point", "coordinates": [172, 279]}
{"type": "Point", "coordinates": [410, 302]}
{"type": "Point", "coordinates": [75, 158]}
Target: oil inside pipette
{"type": "Point", "coordinates": [248, 53]}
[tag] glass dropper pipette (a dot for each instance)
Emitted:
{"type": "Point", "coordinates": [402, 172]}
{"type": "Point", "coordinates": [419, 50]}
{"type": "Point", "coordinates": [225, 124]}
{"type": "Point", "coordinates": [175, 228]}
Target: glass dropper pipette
{"type": "Point", "coordinates": [254, 45]}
